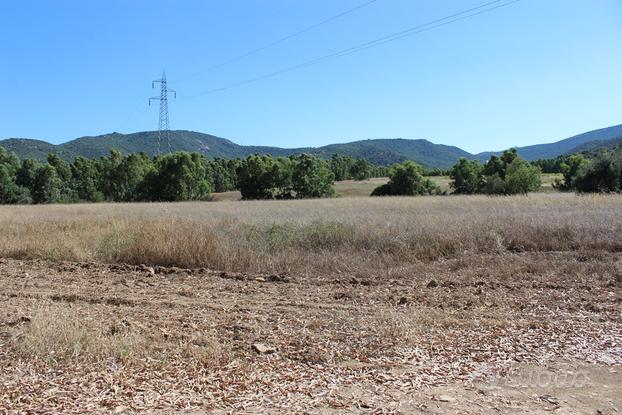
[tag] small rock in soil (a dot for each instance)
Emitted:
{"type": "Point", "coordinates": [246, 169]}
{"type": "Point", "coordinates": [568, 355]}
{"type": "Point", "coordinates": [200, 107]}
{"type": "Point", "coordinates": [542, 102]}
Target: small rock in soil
{"type": "Point", "coordinates": [262, 348]}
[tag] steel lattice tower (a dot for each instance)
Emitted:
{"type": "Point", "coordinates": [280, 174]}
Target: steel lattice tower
{"type": "Point", "coordinates": [164, 132]}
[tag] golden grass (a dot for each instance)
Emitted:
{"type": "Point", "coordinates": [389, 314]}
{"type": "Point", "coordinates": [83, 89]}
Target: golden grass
{"type": "Point", "coordinates": [311, 236]}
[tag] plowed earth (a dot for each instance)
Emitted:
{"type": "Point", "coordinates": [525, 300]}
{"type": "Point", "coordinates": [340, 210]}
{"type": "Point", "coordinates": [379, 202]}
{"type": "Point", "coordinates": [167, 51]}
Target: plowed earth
{"type": "Point", "coordinates": [511, 333]}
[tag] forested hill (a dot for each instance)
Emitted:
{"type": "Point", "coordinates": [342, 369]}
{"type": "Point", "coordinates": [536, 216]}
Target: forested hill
{"type": "Point", "coordinates": [382, 151]}
{"type": "Point", "coordinates": [574, 144]}
{"type": "Point", "coordinates": [379, 151]}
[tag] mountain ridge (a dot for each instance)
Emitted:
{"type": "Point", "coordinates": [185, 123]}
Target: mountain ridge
{"type": "Point", "coordinates": [568, 145]}
{"type": "Point", "coordinates": [382, 151]}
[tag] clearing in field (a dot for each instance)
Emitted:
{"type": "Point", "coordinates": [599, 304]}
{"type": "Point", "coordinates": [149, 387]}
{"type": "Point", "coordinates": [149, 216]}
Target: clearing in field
{"type": "Point", "coordinates": [387, 305]}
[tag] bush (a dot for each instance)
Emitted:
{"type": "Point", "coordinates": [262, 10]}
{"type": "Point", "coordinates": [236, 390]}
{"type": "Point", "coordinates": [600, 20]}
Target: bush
{"type": "Point", "coordinates": [406, 179]}
{"type": "Point", "coordinates": [603, 175]}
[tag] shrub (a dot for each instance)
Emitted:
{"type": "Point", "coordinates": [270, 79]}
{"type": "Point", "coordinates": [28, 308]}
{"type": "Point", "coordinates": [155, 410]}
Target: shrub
{"type": "Point", "coordinates": [406, 179]}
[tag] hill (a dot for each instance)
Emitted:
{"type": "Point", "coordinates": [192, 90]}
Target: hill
{"type": "Point", "coordinates": [568, 145]}
{"type": "Point", "coordinates": [382, 151]}
{"type": "Point", "coordinates": [599, 146]}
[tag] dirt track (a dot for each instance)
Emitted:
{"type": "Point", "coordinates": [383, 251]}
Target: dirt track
{"type": "Point", "coordinates": [493, 333]}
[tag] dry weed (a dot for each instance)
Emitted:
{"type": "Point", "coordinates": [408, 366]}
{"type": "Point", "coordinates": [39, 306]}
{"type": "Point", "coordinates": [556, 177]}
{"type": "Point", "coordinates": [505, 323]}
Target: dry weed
{"type": "Point", "coordinates": [64, 333]}
{"type": "Point", "coordinates": [312, 236]}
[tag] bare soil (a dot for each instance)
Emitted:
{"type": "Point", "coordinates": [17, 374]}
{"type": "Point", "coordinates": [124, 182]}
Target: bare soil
{"type": "Point", "coordinates": [506, 333]}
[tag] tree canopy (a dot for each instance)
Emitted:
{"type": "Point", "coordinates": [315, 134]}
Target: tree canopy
{"type": "Point", "coordinates": [505, 175]}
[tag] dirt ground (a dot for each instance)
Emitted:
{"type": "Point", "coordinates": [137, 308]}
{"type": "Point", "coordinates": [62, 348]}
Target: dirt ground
{"type": "Point", "coordinates": [507, 333]}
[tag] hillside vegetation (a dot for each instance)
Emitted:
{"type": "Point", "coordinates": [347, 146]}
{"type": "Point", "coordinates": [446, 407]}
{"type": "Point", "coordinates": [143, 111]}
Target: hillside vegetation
{"type": "Point", "coordinates": [385, 152]}
{"type": "Point", "coordinates": [382, 151]}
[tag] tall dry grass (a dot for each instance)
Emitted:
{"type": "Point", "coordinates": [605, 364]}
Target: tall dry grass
{"type": "Point", "coordinates": [311, 236]}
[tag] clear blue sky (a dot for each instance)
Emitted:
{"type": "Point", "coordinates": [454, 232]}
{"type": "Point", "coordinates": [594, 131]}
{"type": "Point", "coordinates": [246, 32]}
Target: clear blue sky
{"type": "Point", "coordinates": [535, 71]}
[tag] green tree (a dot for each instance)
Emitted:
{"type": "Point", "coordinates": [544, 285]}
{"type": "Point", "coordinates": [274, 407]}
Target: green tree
{"type": "Point", "coordinates": [603, 175]}
{"type": "Point", "coordinates": [255, 177]}
{"type": "Point", "coordinates": [341, 167]}
{"type": "Point", "coordinates": [406, 179]}
{"type": "Point", "coordinates": [10, 190]}
{"type": "Point", "coordinates": [281, 177]}
{"type": "Point", "coordinates": [63, 169]}
{"type": "Point", "coordinates": [86, 180]}
{"type": "Point", "coordinates": [361, 170]}
{"type": "Point", "coordinates": [509, 174]}
{"type": "Point", "coordinates": [47, 185]}
{"type": "Point", "coordinates": [223, 175]}
{"type": "Point", "coordinates": [178, 177]}
{"type": "Point", "coordinates": [521, 177]}
{"type": "Point", "coordinates": [466, 177]}
{"type": "Point", "coordinates": [26, 173]}
{"type": "Point", "coordinates": [311, 177]}
{"type": "Point", "coordinates": [123, 176]}
{"type": "Point", "coordinates": [570, 169]}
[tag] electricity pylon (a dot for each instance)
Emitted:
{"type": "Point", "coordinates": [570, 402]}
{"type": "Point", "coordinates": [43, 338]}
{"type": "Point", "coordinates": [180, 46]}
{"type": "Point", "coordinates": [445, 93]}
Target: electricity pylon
{"type": "Point", "coordinates": [163, 127]}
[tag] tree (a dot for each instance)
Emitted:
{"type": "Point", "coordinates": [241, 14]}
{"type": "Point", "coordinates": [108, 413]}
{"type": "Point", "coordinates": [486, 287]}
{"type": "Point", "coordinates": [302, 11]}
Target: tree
{"type": "Point", "coordinates": [223, 174]}
{"type": "Point", "coordinates": [122, 177]}
{"type": "Point", "coordinates": [281, 174]}
{"type": "Point", "coordinates": [178, 177]}
{"type": "Point", "coordinates": [47, 185]}
{"type": "Point", "coordinates": [26, 173]}
{"type": "Point", "coordinates": [341, 167]}
{"type": "Point", "coordinates": [311, 177]}
{"type": "Point", "coordinates": [361, 170]}
{"type": "Point", "coordinates": [505, 175]}
{"type": "Point", "coordinates": [406, 179]}
{"type": "Point", "coordinates": [570, 168]}
{"type": "Point", "coordinates": [466, 177]}
{"type": "Point", "coordinates": [255, 177]}
{"type": "Point", "coordinates": [521, 177]}
{"type": "Point", "coordinates": [603, 175]}
{"type": "Point", "coordinates": [10, 190]}
{"type": "Point", "coordinates": [86, 180]}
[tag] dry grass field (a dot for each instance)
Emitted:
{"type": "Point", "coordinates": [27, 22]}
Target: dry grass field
{"type": "Point", "coordinates": [350, 305]}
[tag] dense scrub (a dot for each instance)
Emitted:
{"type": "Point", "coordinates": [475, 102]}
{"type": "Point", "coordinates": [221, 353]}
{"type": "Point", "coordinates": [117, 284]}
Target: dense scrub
{"type": "Point", "coordinates": [505, 175]}
{"type": "Point", "coordinates": [178, 176]}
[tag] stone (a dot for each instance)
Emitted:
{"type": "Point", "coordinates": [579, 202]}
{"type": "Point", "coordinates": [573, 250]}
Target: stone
{"type": "Point", "coordinates": [262, 348]}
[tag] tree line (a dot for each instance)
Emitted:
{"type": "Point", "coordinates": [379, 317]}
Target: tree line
{"type": "Point", "coordinates": [186, 176]}
{"type": "Point", "coordinates": [178, 176]}
{"type": "Point", "coordinates": [505, 175]}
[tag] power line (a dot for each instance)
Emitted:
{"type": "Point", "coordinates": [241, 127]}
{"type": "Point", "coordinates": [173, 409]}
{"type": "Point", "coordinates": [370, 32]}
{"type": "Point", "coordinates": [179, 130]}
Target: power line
{"type": "Point", "coordinates": [278, 41]}
{"type": "Point", "coordinates": [462, 15]}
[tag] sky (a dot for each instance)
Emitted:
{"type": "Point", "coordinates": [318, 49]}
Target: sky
{"type": "Point", "coordinates": [530, 72]}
